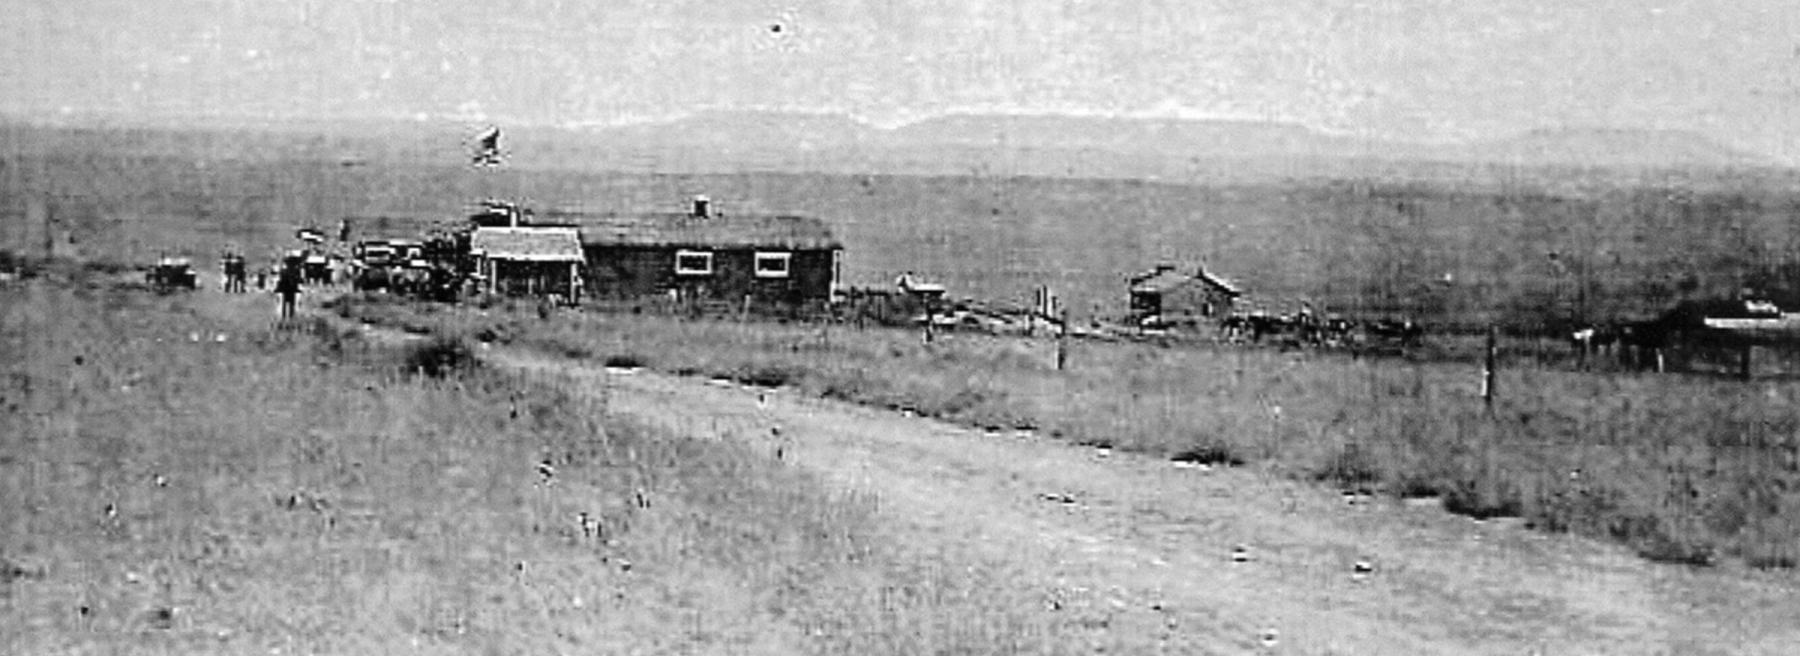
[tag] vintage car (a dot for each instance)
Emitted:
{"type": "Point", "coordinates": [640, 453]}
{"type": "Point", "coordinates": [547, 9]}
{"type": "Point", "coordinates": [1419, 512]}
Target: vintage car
{"type": "Point", "coordinates": [171, 274]}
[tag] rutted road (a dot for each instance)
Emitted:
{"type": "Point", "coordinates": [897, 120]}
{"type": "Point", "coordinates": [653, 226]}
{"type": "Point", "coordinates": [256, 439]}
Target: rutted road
{"type": "Point", "coordinates": [1142, 545]}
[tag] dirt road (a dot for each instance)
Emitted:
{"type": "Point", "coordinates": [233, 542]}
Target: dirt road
{"type": "Point", "coordinates": [1129, 543]}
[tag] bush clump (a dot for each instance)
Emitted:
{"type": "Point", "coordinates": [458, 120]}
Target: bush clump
{"type": "Point", "coordinates": [767, 375]}
{"type": "Point", "coordinates": [439, 357]}
{"type": "Point", "coordinates": [624, 361]}
{"type": "Point", "coordinates": [1483, 500]}
{"type": "Point", "coordinates": [1212, 455]}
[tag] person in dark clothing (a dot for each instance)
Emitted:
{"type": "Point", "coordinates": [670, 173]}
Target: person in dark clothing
{"type": "Point", "coordinates": [287, 285]}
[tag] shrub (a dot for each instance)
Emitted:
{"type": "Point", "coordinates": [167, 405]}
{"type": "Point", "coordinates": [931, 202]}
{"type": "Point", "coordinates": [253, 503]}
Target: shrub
{"type": "Point", "coordinates": [1213, 454]}
{"type": "Point", "coordinates": [625, 361]}
{"type": "Point", "coordinates": [439, 357]}
{"type": "Point", "coordinates": [768, 375]}
{"type": "Point", "coordinates": [1482, 499]}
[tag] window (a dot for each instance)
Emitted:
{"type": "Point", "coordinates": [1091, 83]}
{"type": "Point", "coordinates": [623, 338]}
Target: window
{"type": "Point", "coordinates": [693, 263]}
{"type": "Point", "coordinates": [773, 265]}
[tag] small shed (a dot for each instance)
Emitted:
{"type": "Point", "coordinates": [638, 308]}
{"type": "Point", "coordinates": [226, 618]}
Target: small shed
{"type": "Point", "coordinates": [771, 259]}
{"type": "Point", "coordinates": [531, 261]}
{"type": "Point", "coordinates": [1168, 294]}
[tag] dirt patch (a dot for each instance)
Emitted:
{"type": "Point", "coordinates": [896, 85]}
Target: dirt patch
{"type": "Point", "coordinates": [1134, 545]}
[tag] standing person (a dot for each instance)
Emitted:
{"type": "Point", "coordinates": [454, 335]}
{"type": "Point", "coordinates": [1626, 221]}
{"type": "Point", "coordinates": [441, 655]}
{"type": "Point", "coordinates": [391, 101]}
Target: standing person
{"type": "Point", "coordinates": [287, 285]}
{"type": "Point", "coordinates": [234, 274]}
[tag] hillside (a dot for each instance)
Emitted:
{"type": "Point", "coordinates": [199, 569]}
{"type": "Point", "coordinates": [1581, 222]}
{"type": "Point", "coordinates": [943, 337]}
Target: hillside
{"type": "Point", "coordinates": [1609, 147]}
{"type": "Point", "coordinates": [1152, 145]}
{"type": "Point", "coordinates": [1169, 150]}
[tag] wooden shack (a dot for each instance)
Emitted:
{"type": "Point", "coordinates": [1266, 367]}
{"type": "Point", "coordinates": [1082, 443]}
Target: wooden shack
{"type": "Point", "coordinates": [707, 256]}
{"type": "Point", "coordinates": [528, 261]}
{"type": "Point", "coordinates": [1169, 295]}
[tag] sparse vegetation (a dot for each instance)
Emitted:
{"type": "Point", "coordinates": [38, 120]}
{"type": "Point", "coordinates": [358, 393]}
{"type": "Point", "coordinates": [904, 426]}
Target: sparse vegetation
{"type": "Point", "coordinates": [438, 357]}
{"type": "Point", "coordinates": [624, 360]}
{"type": "Point", "coordinates": [176, 478]}
{"type": "Point", "coordinates": [1683, 469]}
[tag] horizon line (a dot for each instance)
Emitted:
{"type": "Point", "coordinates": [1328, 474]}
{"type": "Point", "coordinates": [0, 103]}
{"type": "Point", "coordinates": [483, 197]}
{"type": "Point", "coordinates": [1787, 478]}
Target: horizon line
{"type": "Point", "coordinates": [70, 117]}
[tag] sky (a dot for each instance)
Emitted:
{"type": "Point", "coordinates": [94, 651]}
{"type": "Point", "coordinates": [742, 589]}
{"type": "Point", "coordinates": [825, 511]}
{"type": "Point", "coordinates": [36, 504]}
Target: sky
{"type": "Point", "coordinates": [1421, 70]}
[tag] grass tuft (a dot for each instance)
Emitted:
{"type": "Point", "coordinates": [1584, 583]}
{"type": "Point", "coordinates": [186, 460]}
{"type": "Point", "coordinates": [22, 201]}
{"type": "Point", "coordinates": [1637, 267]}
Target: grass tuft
{"type": "Point", "coordinates": [625, 361]}
{"type": "Point", "coordinates": [439, 357]}
{"type": "Point", "coordinates": [1216, 455]}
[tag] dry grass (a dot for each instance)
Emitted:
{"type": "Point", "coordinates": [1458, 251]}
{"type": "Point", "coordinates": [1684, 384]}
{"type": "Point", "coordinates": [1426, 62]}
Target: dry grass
{"type": "Point", "coordinates": [1683, 469]}
{"type": "Point", "coordinates": [300, 489]}
{"type": "Point", "coordinates": [1370, 246]}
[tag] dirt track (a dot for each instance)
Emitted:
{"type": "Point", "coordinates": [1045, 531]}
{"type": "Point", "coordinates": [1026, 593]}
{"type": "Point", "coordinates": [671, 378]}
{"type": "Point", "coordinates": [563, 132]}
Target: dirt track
{"type": "Point", "coordinates": [1124, 543]}
{"type": "Point", "coordinates": [1128, 543]}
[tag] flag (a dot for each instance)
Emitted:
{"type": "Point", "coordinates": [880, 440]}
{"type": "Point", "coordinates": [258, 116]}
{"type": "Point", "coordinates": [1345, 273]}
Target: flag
{"type": "Point", "coordinates": [487, 147]}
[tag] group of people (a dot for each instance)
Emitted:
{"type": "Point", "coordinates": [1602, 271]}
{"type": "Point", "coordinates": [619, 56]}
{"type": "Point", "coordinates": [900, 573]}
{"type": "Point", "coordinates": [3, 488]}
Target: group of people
{"type": "Point", "coordinates": [288, 273]}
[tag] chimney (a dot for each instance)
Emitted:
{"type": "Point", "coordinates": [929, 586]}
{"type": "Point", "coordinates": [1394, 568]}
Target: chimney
{"type": "Point", "coordinates": [702, 207]}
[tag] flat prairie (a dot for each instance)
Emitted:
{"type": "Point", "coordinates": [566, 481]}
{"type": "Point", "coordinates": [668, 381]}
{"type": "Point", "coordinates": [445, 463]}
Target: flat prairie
{"type": "Point", "coordinates": [1517, 247]}
{"type": "Point", "coordinates": [182, 474]}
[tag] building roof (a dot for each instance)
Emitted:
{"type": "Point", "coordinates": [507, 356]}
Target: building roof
{"type": "Point", "coordinates": [785, 232]}
{"type": "Point", "coordinates": [1215, 280]}
{"type": "Point", "coordinates": [1165, 279]}
{"type": "Point", "coordinates": [528, 244]}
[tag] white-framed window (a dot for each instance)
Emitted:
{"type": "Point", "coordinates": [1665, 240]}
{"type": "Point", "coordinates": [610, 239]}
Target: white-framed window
{"type": "Point", "coordinates": [693, 263]}
{"type": "Point", "coordinates": [773, 265]}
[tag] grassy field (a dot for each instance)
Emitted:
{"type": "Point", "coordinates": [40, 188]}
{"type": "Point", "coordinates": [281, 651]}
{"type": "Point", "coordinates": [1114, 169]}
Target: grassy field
{"type": "Point", "coordinates": [1507, 250]}
{"type": "Point", "coordinates": [1687, 469]}
{"type": "Point", "coordinates": [1674, 469]}
{"type": "Point", "coordinates": [179, 476]}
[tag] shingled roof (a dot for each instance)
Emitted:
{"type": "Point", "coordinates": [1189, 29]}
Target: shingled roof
{"type": "Point", "coordinates": [786, 232]}
{"type": "Point", "coordinates": [528, 244]}
{"type": "Point", "coordinates": [1165, 279]}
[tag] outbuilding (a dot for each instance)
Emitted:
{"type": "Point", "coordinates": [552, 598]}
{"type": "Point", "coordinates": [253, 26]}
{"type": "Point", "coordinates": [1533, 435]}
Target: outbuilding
{"type": "Point", "coordinates": [527, 260]}
{"type": "Point", "coordinates": [1169, 295]}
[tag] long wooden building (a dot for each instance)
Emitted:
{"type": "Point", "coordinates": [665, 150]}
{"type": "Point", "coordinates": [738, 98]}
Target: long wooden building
{"type": "Point", "coordinates": [705, 255]}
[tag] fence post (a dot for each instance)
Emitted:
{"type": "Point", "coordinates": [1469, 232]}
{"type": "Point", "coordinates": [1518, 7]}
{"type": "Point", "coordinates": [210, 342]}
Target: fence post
{"type": "Point", "coordinates": [928, 317]}
{"type": "Point", "coordinates": [1489, 364]}
{"type": "Point", "coordinates": [1062, 340]}
{"type": "Point", "coordinates": [1745, 361]}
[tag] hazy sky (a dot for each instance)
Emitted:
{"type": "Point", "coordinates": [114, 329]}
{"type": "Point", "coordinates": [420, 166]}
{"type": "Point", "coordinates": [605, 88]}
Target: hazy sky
{"type": "Point", "coordinates": [1422, 69]}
